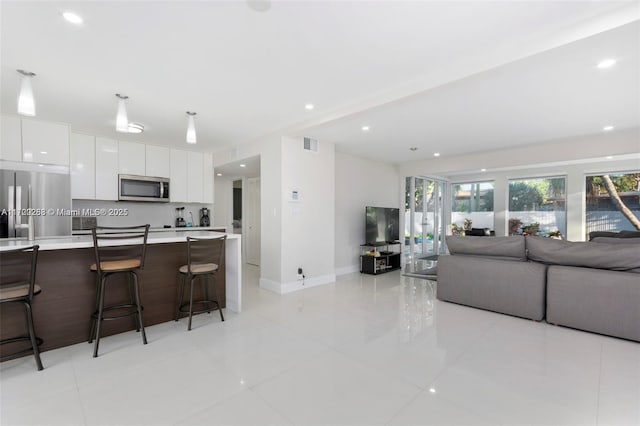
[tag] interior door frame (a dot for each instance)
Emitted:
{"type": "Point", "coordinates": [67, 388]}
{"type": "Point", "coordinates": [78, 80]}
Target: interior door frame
{"type": "Point", "coordinates": [246, 204]}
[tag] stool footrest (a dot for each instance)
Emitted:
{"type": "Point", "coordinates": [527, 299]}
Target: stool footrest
{"type": "Point", "coordinates": [184, 308]}
{"type": "Point", "coordinates": [133, 307]}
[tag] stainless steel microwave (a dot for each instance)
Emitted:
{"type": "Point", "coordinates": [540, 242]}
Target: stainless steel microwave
{"type": "Point", "coordinates": [143, 188]}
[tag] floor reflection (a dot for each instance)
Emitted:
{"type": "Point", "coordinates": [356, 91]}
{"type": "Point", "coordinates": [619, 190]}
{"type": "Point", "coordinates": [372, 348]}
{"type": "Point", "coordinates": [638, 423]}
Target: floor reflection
{"type": "Point", "coordinates": [417, 306]}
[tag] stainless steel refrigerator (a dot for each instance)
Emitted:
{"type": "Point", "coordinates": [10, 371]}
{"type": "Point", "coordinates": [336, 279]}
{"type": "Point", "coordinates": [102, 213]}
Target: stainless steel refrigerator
{"type": "Point", "coordinates": [48, 193]}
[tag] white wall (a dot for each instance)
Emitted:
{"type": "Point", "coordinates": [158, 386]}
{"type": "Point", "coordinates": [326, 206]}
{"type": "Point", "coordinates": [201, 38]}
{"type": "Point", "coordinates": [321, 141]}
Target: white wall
{"type": "Point", "coordinates": [155, 214]}
{"type": "Point", "coordinates": [573, 158]}
{"type": "Point", "coordinates": [359, 183]}
{"type": "Point", "coordinates": [308, 225]}
{"type": "Point", "coordinates": [223, 203]}
{"type": "Point", "coordinates": [293, 234]}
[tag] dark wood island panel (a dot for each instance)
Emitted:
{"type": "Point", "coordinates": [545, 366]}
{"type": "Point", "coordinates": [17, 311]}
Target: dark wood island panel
{"type": "Point", "coordinates": [62, 312]}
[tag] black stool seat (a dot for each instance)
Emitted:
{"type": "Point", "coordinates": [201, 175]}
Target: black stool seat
{"type": "Point", "coordinates": [17, 285]}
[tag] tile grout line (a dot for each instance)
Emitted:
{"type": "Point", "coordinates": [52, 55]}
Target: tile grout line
{"type": "Point", "coordinates": [75, 379]}
{"type": "Point", "coordinates": [455, 360]}
{"type": "Point", "coordinates": [272, 407]}
{"type": "Point", "coordinates": [599, 384]}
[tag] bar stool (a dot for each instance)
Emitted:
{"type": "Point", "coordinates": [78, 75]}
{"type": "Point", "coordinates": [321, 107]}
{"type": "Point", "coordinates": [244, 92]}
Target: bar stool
{"type": "Point", "coordinates": [118, 250]}
{"type": "Point", "coordinates": [18, 285]}
{"type": "Point", "coordinates": [204, 255]}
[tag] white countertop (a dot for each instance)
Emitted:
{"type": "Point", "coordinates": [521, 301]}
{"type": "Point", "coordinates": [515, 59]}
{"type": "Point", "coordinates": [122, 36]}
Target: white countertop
{"type": "Point", "coordinates": [173, 229]}
{"type": "Point", "coordinates": [86, 241]}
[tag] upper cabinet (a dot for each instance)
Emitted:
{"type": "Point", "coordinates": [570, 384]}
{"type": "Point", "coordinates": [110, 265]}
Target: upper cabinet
{"type": "Point", "coordinates": [131, 158]}
{"type": "Point", "coordinates": [44, 142]}
{"type": "Point", "coordinates": [194, 177]}
{"type": "Point", "coordinates": [158, 161]}
{"type": "Point", "coordinates": [207, 175]}
{"type": "Point", "coordinates": [83, 166]}
{"type": "Point", "coordinates": [10, 138]}
{"type": "Point", "coordinates": [106, 169]}
{"type": "Point", "coordinates": [178, 185]}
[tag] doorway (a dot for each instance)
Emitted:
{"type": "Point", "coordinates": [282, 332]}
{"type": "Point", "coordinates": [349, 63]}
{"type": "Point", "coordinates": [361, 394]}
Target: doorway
{"type": "Point", "coordinates": [424, 221]}
{"type": "Point", "coordinates": [237, 207]}
{"type": "Point", "coordinates": [252, 228]}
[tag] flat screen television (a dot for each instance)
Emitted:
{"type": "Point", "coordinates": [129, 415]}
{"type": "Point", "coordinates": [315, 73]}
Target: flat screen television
{"type": "Point", "coordinates": [382, 225]}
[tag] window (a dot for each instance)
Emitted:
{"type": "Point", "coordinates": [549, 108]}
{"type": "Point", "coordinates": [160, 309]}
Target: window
{"type": "Point", "coordinates": [538, 207]}
{"type": "Point", "coordinates": [471, 206]}
{"type": "Point", "coordinates": [613, 202]}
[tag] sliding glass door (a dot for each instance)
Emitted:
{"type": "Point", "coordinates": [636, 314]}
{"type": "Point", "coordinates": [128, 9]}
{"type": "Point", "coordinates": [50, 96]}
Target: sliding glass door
{"type": "Point", "coordinates": [424, 219]}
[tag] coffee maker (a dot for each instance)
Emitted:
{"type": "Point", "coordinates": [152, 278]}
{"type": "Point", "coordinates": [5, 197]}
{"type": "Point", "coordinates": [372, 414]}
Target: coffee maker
{"type": "Point", "coordinates": [180, 223]}
{"type": "Point", "coordinates": [204, 217]}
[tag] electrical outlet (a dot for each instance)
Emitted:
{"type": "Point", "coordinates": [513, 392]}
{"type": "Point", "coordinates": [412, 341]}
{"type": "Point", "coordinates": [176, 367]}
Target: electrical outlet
{"type": "Point", "coordinates": [300, 274]}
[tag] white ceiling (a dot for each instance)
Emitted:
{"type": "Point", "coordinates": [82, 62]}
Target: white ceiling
{"type": "Point", "coordinates": [234, 170]}
{"type": "Point", "coordinates": [552, 95]}
{"type": "Point", "coordinates": [250, 73]}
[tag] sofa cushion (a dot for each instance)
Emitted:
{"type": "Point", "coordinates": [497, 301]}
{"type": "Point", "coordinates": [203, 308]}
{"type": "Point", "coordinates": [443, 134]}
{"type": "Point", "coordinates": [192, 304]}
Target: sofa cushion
{"type": "Point", "coordinates": [512, 247]}
{"type": "Point", "coordinates": [603, 255]}
{"type": "Point", "coordinates": [615, 240]}
{"type": "Point", "coordinates": [612, 234]}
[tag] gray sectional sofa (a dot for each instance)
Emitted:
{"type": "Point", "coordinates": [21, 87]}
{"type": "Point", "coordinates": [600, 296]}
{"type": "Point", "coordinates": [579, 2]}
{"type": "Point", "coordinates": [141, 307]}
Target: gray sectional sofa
{"type": "Point", "coordinates": [592, 286]}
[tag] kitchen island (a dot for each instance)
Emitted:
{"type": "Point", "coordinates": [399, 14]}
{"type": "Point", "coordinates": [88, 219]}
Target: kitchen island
{"type": "Point", "coordinates": [62, 312]}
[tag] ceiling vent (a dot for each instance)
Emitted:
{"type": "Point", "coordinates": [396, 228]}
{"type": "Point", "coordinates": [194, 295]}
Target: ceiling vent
{"type": "Point", "coordinates": [311, 144]}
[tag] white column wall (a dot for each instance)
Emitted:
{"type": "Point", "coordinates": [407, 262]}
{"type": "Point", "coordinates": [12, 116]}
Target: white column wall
{"type": "Point", "coordinates": [308, 225]}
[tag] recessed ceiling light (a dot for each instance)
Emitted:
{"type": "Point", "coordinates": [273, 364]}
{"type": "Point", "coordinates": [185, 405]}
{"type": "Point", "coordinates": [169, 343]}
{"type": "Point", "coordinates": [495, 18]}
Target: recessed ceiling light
{"type": "Point", "coordinates": [432, 390]}
{"type": "Point", "coordinates": [135, 128]}
{"type": "Point", "coordinates": [218, 174]}
{"type": "Point", "coordinates": [74, 18]}
{"type": "Point", "coordinates": [609, 157]}
{"type": "Point", "coordinates": [607, 63]}
{"type": "Point", "coordinates": [309, 107]}
{"type": "Point", "coordinates": [365, 128]}
{"type": "Point", "coordinates": [243, 165]}
{"type": "Point", "coordinates": [43, 152]}
{"type": "Point", "coordinates": [436, 154]}
{"type": "Point", "coordinates": [413, 148]}
{"type": "Point", "coordinates": [483, 170]}
{"type": "Point", "coordinates": [607, 128]}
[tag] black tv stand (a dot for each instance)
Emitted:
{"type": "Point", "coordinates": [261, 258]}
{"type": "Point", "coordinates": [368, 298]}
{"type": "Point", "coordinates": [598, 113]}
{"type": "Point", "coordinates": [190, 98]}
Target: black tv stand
{"type": "Point", "coordinates": [384, 261]}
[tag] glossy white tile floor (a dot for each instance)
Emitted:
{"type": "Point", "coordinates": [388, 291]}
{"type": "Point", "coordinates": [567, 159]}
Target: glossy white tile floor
{"type": "Point", "coordinates": [363, 351]}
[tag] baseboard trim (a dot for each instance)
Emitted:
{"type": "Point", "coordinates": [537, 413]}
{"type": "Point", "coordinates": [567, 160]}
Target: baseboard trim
{"type": "Point", "coordinates": [270, 285]}
{"type": "Point", "coordinates": [348, 270]}
{"type": "Point", "coordinates": [296, 285]}
{"type": "Point", "coordinates": [308, 282]}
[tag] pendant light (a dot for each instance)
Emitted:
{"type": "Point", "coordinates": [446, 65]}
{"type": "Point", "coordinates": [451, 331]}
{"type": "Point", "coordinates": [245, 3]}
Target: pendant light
{"type": "Point", "coordinates": [26, 103]}
{"type": "Point", "coordinates": [122, 124]}
{"type": "Point", "coordinates": [191, 128]}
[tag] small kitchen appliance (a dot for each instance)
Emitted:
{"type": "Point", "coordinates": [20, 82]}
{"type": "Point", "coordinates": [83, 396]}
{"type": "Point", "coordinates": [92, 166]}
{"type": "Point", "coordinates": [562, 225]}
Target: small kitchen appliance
{"type": "Point", "coordinates": [180, 223]}
{"type": "Point", "coordinates": [204, 217]}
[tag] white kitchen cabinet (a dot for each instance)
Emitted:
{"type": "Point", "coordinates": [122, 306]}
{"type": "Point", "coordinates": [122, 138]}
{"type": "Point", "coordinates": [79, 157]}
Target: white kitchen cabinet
{"type": "Point", "coordinates": [178, 179]}
{"type": "Point", "coordinates": [194, 177]}
{"type": "Point", "coordinates": [158, 161]}
{"type": "Point", "coordinates": [106, 169]}
{"type": "Point", "coordinates": [44, 142]}
{"type": "Point", "coordinates": [10, 138]}
{"type": "Point", "coordinates": [131, 158]}
{"type": "Point", "coordinates": [83, 166]}
{"type": "Point", "coordinates": [207, 181]}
